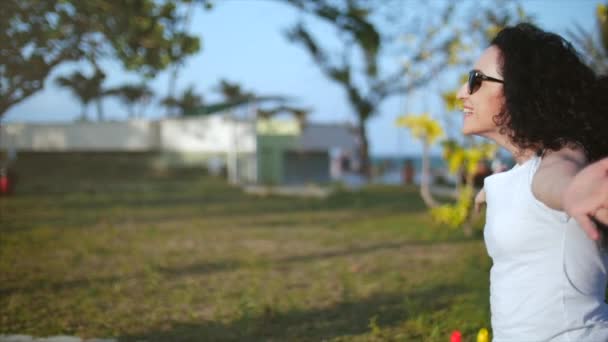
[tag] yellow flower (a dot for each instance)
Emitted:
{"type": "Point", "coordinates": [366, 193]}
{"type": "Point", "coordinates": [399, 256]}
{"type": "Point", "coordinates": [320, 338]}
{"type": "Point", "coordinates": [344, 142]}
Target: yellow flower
{"type": "Point", "coordinates": [422, 127]}
{"type": "Point", "coordinates": [483, 335]}
{"type": "Point", "coordinates": [602, 13]}
{"type": "Point", "coordinates": [450, 100]}
{"type": "Point", "coordinates": [454, 215]}
{"type": "Point", "coordinates": [492, 31]}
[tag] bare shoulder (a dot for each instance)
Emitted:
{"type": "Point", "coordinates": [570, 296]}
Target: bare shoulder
{"type": "Point", "coordinates": [566, 160]}
{"type": "Point", "coordinates": [556, 170]}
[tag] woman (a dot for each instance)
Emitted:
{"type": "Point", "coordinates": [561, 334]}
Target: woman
{"type": "Point", "coordinates": [531, 94]}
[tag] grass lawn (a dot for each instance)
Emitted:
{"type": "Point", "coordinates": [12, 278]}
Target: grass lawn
{"type": "Point", "coordinates": [99, 249]}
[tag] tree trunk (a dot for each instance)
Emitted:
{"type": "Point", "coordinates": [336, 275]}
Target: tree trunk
{"type": "Point", "coordinates": [83, 111]}
{"type": "Point", "coordinates": [425, 178]}
{"type": "Point", "coordinates": [142, 108]}
{"type": "Point", "coordinates": [132, 111]}
{"type": "Point", "coordinates": [467, 225]}
{"type": "Point", "coordinates": [171, 90]}
{"type": "Point", "coordinates": [99, 110]}
{"type": "Point", "coordinates": [365, 165]}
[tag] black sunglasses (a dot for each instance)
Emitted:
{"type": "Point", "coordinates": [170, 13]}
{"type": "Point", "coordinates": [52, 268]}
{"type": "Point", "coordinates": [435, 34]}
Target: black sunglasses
{"type": "Point", "coordinates": [475, 79]}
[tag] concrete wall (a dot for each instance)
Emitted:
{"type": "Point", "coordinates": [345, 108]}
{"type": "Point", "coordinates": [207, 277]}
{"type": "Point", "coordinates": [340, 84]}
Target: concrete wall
{"type": "Point", "coordinates": [213, 134]}
{"type": "Point", "coordinates": [135, 135]}
{"type": "Point", "coordinates": [209, 135]}
{"type": "Point", "coordinates": [215, 141]}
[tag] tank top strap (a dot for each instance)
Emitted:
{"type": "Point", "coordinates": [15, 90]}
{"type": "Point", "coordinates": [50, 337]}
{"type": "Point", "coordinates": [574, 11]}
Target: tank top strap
{"type": "Point", "coordinates": [532, 166]}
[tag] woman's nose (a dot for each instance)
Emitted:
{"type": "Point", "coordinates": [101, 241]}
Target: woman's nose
{"type": "Point", "coordinates": [463, 92]}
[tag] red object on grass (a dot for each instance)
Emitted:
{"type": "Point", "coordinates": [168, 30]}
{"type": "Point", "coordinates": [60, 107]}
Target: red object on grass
{"type": "Point", "coordinates": [456, 336]}
{"type": "Point", "coordinates": [4, 185]}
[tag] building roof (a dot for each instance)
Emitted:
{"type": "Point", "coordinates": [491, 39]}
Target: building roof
{"type": "Point", "coordinates": [321, 137]}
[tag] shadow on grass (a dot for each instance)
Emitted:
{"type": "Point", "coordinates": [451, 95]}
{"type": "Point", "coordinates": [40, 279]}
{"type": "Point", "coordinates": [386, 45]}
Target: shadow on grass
{"type": "Point", "coordinates": [86, 210]}
{"type": "Point", "coordinates": [76, 182]}
{"type": "Point", "coordinates": [189, 270]}
{"type": "Point", "coordinates": [344, 319]}
{"type": "Point", "coordinates": [359, 250]}
{"type": "Point", "coordinates": [206, 268]}
{"type": "Point", "coordinates": [407, 200]}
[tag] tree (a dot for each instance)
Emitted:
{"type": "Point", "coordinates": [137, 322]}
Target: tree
{"type": "Point", "coordinates": [269, 105]}
{"type": "Point", "coordinates": [428, 131]}
{"type": "Point", "coordinates": [594, 45]}
{"type": "Point", "coordinates": [132, 95]}
{"type": "Point", "coordinates": [187, 102]}
{"type": "Point", "coordinates": [356, 30]}
{"type": "Point", "coordinates": [360, 65]}
{"type": "Point", "coordinates": [37, 36]}
{"type": "Point", "coordinates": [86, 89]}
{"type": "Point", "coordinates": [461, 160]}
{"type": "Point", "coordinates": [232, 91]}
{"type": "Point", "coordinates": [181, 24]}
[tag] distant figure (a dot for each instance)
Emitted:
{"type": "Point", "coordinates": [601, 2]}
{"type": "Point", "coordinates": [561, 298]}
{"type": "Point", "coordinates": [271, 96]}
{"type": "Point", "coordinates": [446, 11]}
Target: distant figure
{"type": "Point", "coordinates": [7, 176]}
{"type": "Point", "coordinates": [7, 181]}
{"type": "Point", "coordinates": [481, 172]}
{"type": "Point", "coordinates": [408, 172]}
{"type": "Point", "coordinates": [344, 163]}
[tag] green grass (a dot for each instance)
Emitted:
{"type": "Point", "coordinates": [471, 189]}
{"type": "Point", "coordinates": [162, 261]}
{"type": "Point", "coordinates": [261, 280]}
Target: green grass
{"type": "Point", "coordinates": [112, 248]}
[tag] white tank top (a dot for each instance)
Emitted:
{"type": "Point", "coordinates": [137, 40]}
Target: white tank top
{"type": "Point", "coordinates": [548, 280]}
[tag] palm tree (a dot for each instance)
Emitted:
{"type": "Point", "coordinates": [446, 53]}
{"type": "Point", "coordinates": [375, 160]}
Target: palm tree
{"type": "Point", "coordinates": [187, 102]}
{"type": "Point", "coordinates": [131, 95]}
{"type": "Point", "coordinates": [232, 92]}
{"type": "Point", "coordinates": [86, 89]}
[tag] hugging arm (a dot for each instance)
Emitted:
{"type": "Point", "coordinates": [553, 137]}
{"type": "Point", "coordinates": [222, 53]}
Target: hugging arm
{"type": "Point", "coordinates": [586, 197]}
{"type": "Point", "coordinates": [562, 183]}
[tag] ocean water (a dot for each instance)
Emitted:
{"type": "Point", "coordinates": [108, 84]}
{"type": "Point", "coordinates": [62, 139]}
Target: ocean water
{"type": "Point", "coordinates": [388, 169]}
{"type": "Point", "coordinates": [398, 162]}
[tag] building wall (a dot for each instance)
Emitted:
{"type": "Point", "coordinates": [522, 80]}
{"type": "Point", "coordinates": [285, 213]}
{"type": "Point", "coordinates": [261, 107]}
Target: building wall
{"type": "Point", "coordinates": [135, 135]}
{"type": "Point", "coordinates": [251, 152]}
{"type": "Point", "coordinates": [208, 135]}
{"type": "Point", "coordinates": [306, 167]}
{"type": "Point", "coordinates": [213, 134]}
{"type": "Point", "coordinates": [270, 157]}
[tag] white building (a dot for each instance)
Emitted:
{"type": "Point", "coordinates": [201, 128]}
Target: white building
{"type": "Point", "coordinates": [215, 141]}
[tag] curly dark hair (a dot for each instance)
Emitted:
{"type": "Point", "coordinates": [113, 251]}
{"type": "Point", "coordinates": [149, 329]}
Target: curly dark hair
{"type": "Point", "coordinates": [552, 99]}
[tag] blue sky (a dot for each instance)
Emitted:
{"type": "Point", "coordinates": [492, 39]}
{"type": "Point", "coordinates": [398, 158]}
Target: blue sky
{"type": "Point", "coordinates": [243, 41]}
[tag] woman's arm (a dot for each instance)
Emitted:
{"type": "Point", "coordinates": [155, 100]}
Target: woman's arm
{"type": "Point", "coordinates": [480, 200]}
{"type": "Point", "coordinates": [587, 196]}
{"type": "Point", "coordinates": [554, 174]}
{"type": "Point", "coordinates": [561, 184]}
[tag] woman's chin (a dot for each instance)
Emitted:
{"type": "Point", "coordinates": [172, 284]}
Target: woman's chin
{"type": "Point", "coordinates": [468, 131]}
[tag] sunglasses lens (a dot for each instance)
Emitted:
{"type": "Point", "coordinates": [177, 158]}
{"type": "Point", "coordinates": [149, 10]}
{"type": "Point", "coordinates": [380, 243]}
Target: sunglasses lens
{"type": "Point", "coordinates": [474, 81]}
